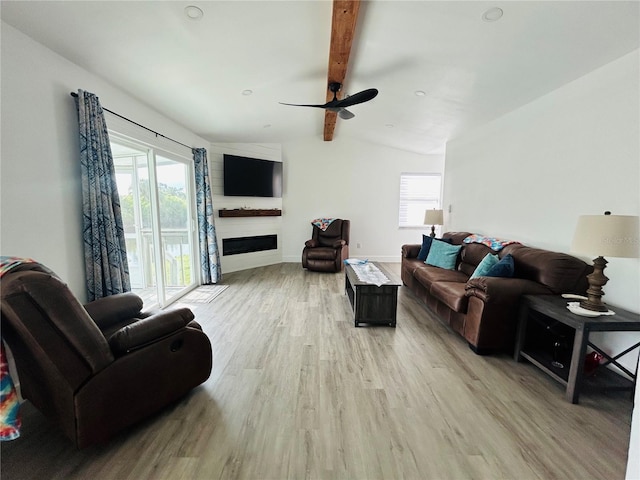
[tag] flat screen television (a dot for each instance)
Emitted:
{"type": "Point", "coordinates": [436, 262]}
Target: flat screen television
{"type": "Point", "coordinates": [251, 177]}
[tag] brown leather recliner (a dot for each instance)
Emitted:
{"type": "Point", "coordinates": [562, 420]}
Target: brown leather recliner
{"type": "Point", "coordinates": [327, 250]}
{"type": "Point", "coordinates": [99, 368]}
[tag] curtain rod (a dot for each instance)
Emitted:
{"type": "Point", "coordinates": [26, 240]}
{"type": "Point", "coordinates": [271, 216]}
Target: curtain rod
{"type": "Point", "coordinates": [75, 95]}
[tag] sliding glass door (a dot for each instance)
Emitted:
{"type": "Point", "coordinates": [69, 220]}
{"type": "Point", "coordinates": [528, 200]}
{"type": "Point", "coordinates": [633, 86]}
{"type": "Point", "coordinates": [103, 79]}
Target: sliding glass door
{"type": "Point", "coordinates": [156, 195]}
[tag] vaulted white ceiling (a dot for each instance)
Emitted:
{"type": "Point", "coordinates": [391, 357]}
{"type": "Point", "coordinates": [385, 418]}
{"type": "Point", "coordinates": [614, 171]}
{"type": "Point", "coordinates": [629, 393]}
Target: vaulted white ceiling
{"type": "Point", "coordinates": [470, 70]}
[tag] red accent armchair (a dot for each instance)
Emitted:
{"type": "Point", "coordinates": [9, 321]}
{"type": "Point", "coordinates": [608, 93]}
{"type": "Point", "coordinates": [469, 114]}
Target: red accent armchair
{"type": "Point", "coordinates": [327, 250]}
{"type": "Point", "coordinates": [99, 368]}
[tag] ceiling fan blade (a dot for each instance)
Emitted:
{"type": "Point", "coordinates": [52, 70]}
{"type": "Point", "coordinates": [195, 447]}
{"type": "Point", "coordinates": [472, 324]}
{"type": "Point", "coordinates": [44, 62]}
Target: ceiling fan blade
{"type": "Point", "coordinates": [302, 105]}
{"type": "Point", "coordinates": [360, 97]}
{"type": "Point", "coordinates": [338, 106]}
{"type": "Point", "coordinates": [345, 114]}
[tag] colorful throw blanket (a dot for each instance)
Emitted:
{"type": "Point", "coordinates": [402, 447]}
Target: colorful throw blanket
{"type": "Point", "coordinates": [495, 244]}
{"type": "Point", "coordinates": [322, 223]}
{"type": "Point", "coordinates": [10, 421]}
{"type": "Point", "coordinates": [9, 263]}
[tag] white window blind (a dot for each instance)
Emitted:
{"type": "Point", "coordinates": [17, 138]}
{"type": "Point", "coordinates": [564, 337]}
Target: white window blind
{"type": "Point", "coordinates": [418, 192]}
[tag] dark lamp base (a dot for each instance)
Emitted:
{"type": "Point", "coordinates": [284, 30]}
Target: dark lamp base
{"type": "Point", "coordinates": [595, 307]}
{"type": "Point", "coordinates": [596, 280]}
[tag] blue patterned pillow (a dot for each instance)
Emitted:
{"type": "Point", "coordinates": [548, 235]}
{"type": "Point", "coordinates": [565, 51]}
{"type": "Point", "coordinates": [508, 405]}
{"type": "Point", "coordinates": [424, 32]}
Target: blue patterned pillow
{"type": "Point", "coordinates": [424, 250]}
{"type": "Point", "coordinates": [443, 255]}
{"type": "Point", "coordinates": [504, 268]}
{"type": "Point", "coordinates": [485, 265]}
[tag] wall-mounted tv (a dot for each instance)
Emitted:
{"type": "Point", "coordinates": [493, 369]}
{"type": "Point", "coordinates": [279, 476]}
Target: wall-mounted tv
{"type": "Point", "coordinates": [252, 177]}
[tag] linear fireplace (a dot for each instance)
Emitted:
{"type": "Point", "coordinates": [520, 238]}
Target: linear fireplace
{"type": "Point", "coordinates": [234, 246]}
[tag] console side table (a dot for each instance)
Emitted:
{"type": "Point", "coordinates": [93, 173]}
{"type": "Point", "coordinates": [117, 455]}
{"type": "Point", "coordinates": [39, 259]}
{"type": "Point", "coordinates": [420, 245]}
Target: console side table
{"type": "Point", "coordinates": [549, 313]}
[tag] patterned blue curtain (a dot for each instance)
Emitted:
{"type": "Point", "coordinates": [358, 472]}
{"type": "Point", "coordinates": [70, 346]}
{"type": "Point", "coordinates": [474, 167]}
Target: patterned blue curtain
{"type": "Point", "coordinates": [105, 253]}
{"type": "Point", "coordinates": [209, 253]}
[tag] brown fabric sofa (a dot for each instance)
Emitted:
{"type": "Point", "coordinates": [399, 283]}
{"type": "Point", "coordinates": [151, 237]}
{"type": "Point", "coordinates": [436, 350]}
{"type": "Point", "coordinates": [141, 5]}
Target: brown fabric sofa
{"type": "Point", "coordinates": [484, 309]}
{"type": "Point", "coordinates": [99, 368]}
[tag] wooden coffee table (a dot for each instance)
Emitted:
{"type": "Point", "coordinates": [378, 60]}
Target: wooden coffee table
{"type": "Point", "coordinates": [372, 304]}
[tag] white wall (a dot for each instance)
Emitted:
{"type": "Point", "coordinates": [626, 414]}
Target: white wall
{"type": "Point", "coordinates": [244, 226]}
{"type": "Point", "coordinates": [40, 209]}
{"type": "Point", "coordinates": [527, 175]}
{"type": "Point", "coordinates": [353, 180]}
{"type": "Point", "coordinates": [530, 174]}
{"type": "Point", "coordinates": [40, 203]}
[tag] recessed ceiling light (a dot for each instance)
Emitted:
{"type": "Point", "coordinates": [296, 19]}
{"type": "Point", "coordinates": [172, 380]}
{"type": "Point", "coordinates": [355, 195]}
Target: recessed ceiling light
{"type": "Point", "coordinates": [194, 13]}
{"type": "Point", "coordinates": [247, 92]}
{"type": "Point", "coordinates": [420, 93]}
{"type": "Point", "coordinates": [492, 14]}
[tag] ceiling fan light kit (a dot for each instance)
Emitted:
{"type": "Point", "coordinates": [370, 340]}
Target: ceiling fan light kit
{"type": "Point", "coordinates": [345, 114]}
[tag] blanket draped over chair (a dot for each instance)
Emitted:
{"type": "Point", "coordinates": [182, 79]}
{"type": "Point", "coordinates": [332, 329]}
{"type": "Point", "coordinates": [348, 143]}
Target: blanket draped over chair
{"type": "Point", "coordinates": [10, 421]}
{"type": "Point", "coordinates": [495, 244]}
{"type": "Point", "coordinates": [322, 223]}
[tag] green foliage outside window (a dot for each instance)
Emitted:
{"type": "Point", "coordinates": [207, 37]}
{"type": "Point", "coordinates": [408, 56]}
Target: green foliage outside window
{"type": "Point", "coordinates": [173, 207]}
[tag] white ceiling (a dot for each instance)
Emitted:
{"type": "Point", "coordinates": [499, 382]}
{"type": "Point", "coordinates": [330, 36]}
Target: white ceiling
{"type": "Point", "coordinates": [471, 71]}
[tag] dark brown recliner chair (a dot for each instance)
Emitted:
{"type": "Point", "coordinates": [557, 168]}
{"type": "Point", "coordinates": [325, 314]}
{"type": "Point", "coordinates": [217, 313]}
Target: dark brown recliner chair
{"type": "Point", "coordinates": [99, 368]}
{"type": "Point", "coordinates": [327, 249]}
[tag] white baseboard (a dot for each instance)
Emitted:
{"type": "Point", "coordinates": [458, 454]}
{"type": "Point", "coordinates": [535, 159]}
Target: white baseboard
{"type": "Point", "coordinates": [377, 258]}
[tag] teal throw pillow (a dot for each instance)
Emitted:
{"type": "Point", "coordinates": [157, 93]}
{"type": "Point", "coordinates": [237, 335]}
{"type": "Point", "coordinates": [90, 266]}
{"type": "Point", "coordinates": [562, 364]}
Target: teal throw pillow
{"type": "Point", "coordinates": [426, 246]}
{"type": "Point", "coordinates": [443, 255]}
{"type": "Point", "coordinates": [485, 265]}
{"type": "Point", "coordinates": [504, 268]}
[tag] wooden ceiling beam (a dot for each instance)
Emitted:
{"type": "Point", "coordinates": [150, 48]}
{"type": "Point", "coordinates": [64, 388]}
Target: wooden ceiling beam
{"type": "Point", "coordinates": [343, 26]}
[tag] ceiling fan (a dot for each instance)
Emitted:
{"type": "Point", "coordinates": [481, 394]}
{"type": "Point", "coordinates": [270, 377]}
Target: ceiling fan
{"type": "Point", "coordinates": [339, 106]}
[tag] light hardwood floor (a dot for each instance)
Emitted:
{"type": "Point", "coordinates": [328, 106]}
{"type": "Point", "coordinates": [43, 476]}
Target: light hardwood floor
{"type": "Point", "coordinates": [298, 392]}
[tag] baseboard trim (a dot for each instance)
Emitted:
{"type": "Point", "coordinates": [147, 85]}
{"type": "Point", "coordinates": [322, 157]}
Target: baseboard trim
{"type": "Point", "coordinates": [377, 258]}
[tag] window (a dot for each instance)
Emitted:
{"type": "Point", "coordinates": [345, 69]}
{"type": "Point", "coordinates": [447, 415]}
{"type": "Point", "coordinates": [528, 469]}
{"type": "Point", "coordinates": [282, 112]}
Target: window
{"type": "Point", "coordinates": [418, 192]}
{"type": "Point", "coordinates": [156, 198]}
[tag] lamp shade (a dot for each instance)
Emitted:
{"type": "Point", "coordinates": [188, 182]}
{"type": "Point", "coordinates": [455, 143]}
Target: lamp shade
{"type": "Point", "coordinates": [433, 217]}
{"type": "Point", "coordinates": [607, 236]}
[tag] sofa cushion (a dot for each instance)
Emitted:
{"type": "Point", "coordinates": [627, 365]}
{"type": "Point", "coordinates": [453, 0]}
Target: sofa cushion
{"type": "Point", "coordinates": [452, 294]}
{"type": "Point", "coordinates": [333, 232]}
{"type": "Point", "coordinates": [455, 238]}
{"type": "Point", "coordinates": [561, 272]}
{"type": "Point", "coordinates": [504, 268]}
{"type": "Point", "coordinates": [426, 246]}
{"type": "Point", "coordinates": [443, 255]}
{"type": "Point", "coordinates": [485, 265]}
{"type": "Point", "coordinates": [426, 275]}
{"type": "Point", "coordinates": [424, 249]}
{"type": "Point", "coordinates": [471, 255]}
{"type": "Point", "coordinates": [321, 253]}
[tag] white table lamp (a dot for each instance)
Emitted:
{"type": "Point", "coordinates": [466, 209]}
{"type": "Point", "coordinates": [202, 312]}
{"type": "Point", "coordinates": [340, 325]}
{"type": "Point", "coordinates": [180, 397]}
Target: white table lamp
{"type": "Point", "coordinates": [610, 235]}
{"type": "Point", "coordinates": [433, 218]}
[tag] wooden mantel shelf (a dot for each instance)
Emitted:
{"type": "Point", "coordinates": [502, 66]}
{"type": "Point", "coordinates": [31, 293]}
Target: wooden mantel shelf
{"type": "Point", "coordinates": [245, 212]}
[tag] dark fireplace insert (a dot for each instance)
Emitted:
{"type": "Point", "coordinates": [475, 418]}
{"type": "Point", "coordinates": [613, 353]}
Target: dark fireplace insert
{"type": "Point", "coordinates": [234, 246]}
